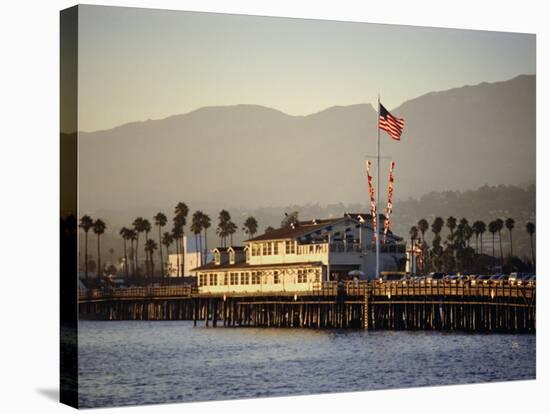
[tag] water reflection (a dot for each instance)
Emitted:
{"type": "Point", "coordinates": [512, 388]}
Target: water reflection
{"type": "Point", "coordinates": [137, 362]}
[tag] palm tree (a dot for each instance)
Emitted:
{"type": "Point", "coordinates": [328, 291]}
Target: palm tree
{"type": "Point", "coordinates": [475, 229]}
{"type": "Point", "coordinates": [206, 223]}
{"type": "Point", "coordinates": [86, 223]}
{"type": "Point", "coordinates": [499, 224]}
{"type": "Point", "coordinates": [177, 234]}
{"type": "Point", "coordinates": [413, 233]}
{"type": "Point", "coordinates": [510, 223]}
{"type": "Point", "coordinates": [231, 230]}
{"type": "Point", "coordinates": [461, 244]}
{"type": "Point", "coordinates": [138, 228]}
{"type": "Point", "coordinates": [250, 226]}
{"type": "Point", "coordinates": [437, 225]}
{"type": "Point", "coordinates": [150, 247]}
{"type": "Point", "coordinates": [181, 209]}
{"type": "Point", "coordinates": [467, 231]}
{"type": "Point", "coordinates": [146, 229]}
{"type": "Point", "coordinates": [222, 234]}
{"type": "Point", "coordinates": [99, 229]}
{"type": "Point", "coordinates": [530, 227]}
{"type": "Point", "coordinates": [160, 222]}
{"type": "Point", "coordinates": [479, 229]}
{"type": "Point", "coordinates": [223, 226]}
{"type": "Point", "coordinates": [436, 252]}
{"type": "Point", "coordinates": [493, 230]}
{"type": "Point", "coordinates": [451, 224]}
{"type": "Point", "coordinates": [167, 240]}
{"type": "Point", "coordinates": [196, 228]}
{"type": "Point", "coordinates": [125, 233]}
{"type": "Point", "coordinates": [423, 226]}
{"type": "Point", "coordinates": [482, 230]}
{"type": "Point", "coordinates": [133, 235]}
{"type": "Point", "coordinates": [180, 220]}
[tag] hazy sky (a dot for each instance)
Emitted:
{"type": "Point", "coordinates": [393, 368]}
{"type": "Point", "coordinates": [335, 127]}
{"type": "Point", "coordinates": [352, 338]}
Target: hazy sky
{"type": "Point", "coordinates": [139, 64]}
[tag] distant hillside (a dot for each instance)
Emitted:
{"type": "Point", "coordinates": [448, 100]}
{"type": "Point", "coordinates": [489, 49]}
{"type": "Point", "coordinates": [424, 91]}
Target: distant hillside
{"type": "Point", "coordinates": [249, 156]}
{"type": "Point", "coordinates": [485, 203]}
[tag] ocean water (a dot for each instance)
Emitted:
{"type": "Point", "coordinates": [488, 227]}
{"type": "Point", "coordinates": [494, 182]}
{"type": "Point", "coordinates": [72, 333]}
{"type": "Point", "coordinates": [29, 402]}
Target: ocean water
{"type": "Point", "coordinates": [141, 362]}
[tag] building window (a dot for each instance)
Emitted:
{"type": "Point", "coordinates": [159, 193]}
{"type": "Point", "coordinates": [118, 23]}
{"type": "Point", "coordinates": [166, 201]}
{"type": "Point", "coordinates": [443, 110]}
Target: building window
{"type": "Point", "coordinates": [232, 257]}
{"type": "Point", "coordinates": [276, 248]}
{"type": "Point", "coordinates": [213, 279]}
{"type": "Point", "coordinates": [217, 258]}
{"type": "Point", "coordinates": [245, 278]}
{"type": "Point", "coordinates": [247, 254]}
{"type": "Point", "coordinates": [256, 278]}
{"type": "Point", "coordinates": [302, 276]}
{"type": "Point", "coordinates": [290, 247]}
{"type": "Point", "coordinates": [234, 278]}
{"type": "Point", "coordinates": [202, 279]}
{"type": "Point", "coordinates": [226, 278]}
{"type": "Point", "coordinates": [276, 279]}
{"type": "Point", "coordinates": [317, 275]}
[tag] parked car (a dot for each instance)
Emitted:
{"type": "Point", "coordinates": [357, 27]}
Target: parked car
{"type": "Point", "coordinates": [504, 279]}
{"type": "Point", "coordinates": [451, 279]}
{"type": "Point", "coordinates": [419, 280]}
{"type": "Point", "coordinates": [520, 279]}
{"type": "Point", "coordinates": [494, 279]}
{"type": "Point", "coordinates": [405, 280]}
{"type": "Point", "coordinates": [434, 276]}
{"type": "Point", "coordinates": [472, 279]}
{"type": "Point", "coordinates": [483, 279]}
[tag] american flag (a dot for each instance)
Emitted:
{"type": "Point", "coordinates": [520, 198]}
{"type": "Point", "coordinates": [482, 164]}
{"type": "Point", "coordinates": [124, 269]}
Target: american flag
{"type": "Point", "coordinates": [389, 123]}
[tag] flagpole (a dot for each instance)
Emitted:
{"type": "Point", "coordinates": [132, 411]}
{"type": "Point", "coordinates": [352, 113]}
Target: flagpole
{"type": "Point", "coordinates": [378, 194]}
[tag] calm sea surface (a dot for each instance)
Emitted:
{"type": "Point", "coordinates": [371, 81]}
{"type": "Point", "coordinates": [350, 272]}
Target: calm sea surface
{"type": "Point", "coordinates": [136, 362]}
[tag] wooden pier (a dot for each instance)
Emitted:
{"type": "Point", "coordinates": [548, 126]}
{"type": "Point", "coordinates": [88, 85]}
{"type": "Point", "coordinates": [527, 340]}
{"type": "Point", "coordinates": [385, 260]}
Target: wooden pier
{"type": "Point", "coordinates": [330, 305]}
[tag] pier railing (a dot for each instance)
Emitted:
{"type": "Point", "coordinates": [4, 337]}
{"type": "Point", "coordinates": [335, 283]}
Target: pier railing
{"type": "Point", "coordinates": [138, 292]}
{"type": "Point", "coordinates": [374, 289]}
{"type": "Point", "coordinates": [435, 305]}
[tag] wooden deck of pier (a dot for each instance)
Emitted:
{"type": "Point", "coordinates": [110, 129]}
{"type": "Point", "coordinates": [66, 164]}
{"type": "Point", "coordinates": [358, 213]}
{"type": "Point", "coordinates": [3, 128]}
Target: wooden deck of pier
{"type": "Point", "coordinates": [369, 305]}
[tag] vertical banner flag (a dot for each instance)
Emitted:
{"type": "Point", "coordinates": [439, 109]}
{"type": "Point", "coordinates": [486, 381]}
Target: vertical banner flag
{"type": "Point", "coordinates": [389, 123]}
{"type": "Point", "coordinates": [390, 204]}
{"type": "Point", "coordinates": [372, 202]}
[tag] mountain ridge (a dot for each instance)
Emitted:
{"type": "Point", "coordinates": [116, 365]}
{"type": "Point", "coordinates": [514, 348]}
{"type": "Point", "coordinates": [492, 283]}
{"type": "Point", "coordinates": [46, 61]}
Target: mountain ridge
{"type": "Point", "coordinates": [254, 155]}
{"type": "Point", "coordinates": [396, 108]}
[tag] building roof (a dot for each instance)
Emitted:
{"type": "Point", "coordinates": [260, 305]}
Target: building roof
{"type": "Point", "coordinates": [302, 228]}
{"type": "Point", "coordinates": [299, 229]}
{"type": "Point", "coordinates": [245, 266]}
{"type": "Point", "coordinates": [237, 248]}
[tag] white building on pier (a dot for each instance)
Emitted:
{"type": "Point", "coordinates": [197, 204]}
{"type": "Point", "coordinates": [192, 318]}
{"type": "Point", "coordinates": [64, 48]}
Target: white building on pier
{"type": "Point", "coordinates": [300, 257]}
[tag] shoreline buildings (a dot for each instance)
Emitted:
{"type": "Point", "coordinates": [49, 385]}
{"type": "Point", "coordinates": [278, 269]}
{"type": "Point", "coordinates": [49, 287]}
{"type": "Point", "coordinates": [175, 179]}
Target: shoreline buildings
{"type": "Point", "coordinates": [301, 256]}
